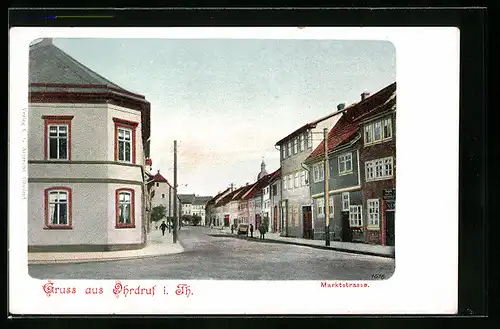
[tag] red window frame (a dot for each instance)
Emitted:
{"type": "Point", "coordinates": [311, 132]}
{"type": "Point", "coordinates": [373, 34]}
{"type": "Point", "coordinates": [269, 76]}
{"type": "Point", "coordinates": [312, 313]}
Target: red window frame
{"type": "Point", "coordinates": [127, 125]}
{"type": "Point", "coordinates": [48, 225]}
{"type": "Point", "coordinates": [132, 208]}
{"type": "Point", "coordinates": [55, 120]}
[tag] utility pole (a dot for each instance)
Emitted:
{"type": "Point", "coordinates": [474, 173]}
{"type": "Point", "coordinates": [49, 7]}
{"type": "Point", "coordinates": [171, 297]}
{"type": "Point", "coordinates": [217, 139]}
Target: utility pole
{"type": "Point", "coordinates": [176, 219]}
{"type": "Point", "coordinates": [327, 208]}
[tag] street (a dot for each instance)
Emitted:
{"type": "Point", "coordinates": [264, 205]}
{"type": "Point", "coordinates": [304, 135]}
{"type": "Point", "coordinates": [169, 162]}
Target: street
{"type": "Point", "coordinates": [228, 258]}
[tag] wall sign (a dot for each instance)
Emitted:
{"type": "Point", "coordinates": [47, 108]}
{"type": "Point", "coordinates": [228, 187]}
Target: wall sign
{"type": "Point", "coordinates": [389, 194]}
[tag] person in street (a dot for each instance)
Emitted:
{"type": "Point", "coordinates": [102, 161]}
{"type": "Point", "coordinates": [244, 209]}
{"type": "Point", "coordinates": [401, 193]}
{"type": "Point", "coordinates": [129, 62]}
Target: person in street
{"type": "Point", "coordinates": [251, 230]}
{"type": "Point", "coordinates": [163, 226]}
{"type": "Point", "coordinates": [262, 231]}
{"type": "Point", "coordinates": [232, 228]}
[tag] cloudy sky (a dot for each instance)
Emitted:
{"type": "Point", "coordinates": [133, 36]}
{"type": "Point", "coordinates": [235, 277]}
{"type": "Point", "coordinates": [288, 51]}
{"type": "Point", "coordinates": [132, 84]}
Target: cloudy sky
{"type": "Point", "coordinates": [228, 101]}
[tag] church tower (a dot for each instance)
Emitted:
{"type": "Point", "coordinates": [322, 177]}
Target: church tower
{"type": "Point", "coordinates": [263, 171]}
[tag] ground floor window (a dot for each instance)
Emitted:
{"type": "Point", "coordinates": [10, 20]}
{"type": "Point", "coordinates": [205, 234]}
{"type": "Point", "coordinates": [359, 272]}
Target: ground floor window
{"type": "Point", "coordinates": [58, 207]}
{"type": "Point", "coordinates": [373, 208]}
{"type": "Point", "coordinates": [125, 208]}
{"type": "Point", "coordinates": [356, 216]}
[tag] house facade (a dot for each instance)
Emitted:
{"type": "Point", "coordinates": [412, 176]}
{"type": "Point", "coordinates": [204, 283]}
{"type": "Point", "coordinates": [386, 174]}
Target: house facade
{"type": "Point", "coordinates": [275, 223]}
{"type": "Point", "coordinates": [89, 141]}
{"type": "Point", "coordinates": [162, 193]}
{"type": "Point", "coordinates": [213, 209]}
{"type": "Point", "coordinates": [296, 207]}
{"type": "Point", "coordinates": [378, 166]}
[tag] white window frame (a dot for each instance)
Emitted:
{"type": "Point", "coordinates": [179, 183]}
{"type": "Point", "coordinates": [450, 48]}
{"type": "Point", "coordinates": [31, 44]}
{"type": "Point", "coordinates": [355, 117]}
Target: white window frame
{"type": "Point", "coordinates": [290, 181]}
{"type": "Point", "coordinates": [306, 178]}
{"type": "Point", "coordinates": [284, 183]}
{"type": "Point", "coordinates": [319, 172]}
{"type": "Point", "coordinates": [346, 201]}
{"type": "Point", "coordinates": [379, 169]}
{"type": "Point", "coordinates": [301, 142]}
{"type": "Point", "coordinates": [295, 145]}
{"type": "Point", "coordinates": [283, 151]}
{"type": "Point", "coordinates": [303, 178]}
{"type": "Point", "coordinates": [320, 204]}
{"type": "Point", "coordinates": [355, 215]}
{"type": "Point", "coordinates": [345, 159]}
{"type": "Point", "coordinates": [296, 180]}
{"type": "Point", "coordinates": [331, 206]}
{"type": "Point", "coordinates": [290, 146]}
{"type": "Point", "coordinates": [369, 129]}
{"type": "Point", "coordinates": [121, 155]}
{"type": "Point", "coordinates": [56, 204]}
{"type": "Point", "coordinates": [309, 139]}
{"type": "Point", "coordinates": [373, 214]}
{"type": "Point", "coordinates": [58, 139]}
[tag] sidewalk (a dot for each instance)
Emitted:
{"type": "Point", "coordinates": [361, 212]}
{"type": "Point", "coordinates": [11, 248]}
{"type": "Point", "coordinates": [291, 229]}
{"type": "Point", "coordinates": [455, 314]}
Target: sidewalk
{"type": "Point", "coordinates": [157, 245]}
{"type": "Point", "coordinates": [357, 248]}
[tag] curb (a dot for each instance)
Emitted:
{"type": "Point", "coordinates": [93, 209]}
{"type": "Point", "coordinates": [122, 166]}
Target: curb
{"type": "Point", "coordinates": [359, 252]}
{"type": "Point", "coordinates": [96, 260]}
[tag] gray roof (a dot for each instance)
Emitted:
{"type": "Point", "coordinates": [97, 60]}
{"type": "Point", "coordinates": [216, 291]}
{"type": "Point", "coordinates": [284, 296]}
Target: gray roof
{"type": "Point", "coordinates": [193, 199]}
{"type": "Point", "coordinates": [50, 65]}
{"type": "Point", "coordinates": [200, 200]}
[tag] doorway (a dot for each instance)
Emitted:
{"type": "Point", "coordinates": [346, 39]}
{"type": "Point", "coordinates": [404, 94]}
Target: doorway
{"type": "Point", "coordinates": [307, 223]}
{"type": "Point", "coordinates": [346, 228]}
{"type": "Point", "coordinates": [389, 228]}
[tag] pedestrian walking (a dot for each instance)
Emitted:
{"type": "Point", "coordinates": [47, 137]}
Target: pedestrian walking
{"type": "Point", "coordinates": [251, 230]}
{"type": "Point", "coordinates": [232, 228]}
{"type": "Point", "coordinates": [163, 226]}
{"type": "Point", "coordinates": [262, 230]}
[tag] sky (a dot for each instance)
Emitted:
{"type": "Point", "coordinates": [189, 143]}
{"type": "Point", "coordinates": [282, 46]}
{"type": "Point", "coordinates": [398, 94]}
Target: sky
{"type": "Point", "coordinates": [228, 101]}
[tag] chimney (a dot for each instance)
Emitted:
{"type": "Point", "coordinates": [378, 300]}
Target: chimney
{"type": "Point", "coordinates": [340, 107]}
{"type": "Point", "coordinates": [365, 95]}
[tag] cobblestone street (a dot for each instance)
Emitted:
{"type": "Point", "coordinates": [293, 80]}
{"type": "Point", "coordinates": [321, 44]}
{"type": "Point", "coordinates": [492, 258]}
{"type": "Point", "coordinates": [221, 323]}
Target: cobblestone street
{"type": "Point", "coordinates": [226, 258]}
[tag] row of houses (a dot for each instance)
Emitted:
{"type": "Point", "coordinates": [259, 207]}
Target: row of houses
{"type": "Point", "coordinates": [193, 205]}
{"type": "Point", "coordinates": [361, 149]}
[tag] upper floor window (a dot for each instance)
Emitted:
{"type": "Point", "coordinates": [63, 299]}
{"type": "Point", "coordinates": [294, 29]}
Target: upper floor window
{"type": "Point", "coordinates": [330, 206]}
{"type": "Point", "coordinates": [58, 207]}
{"type": "Point", "coordinates": [290, 146]}
{"type": "Point", "coordinates": [318, 172]}
{"type": "Point", "coordinates": [290, 181]}
{"type": "Point", "coordinates": [320, 204]}
{"type": "Point", "coordinates": [284, 183]}
{"type": "Point", "coordinates": [125, 140]}
{"type": "Point", "coordinates": [301, 143]}
{"type": "Point", "coordinates": [296, 180]}
{"type": "Point", "coordinates": [295, 145]}
{"type": "Point", "coordinates": [378, 131]}
{"type": "Point", "coordinates": [163, 195]}
{"type": "Point", "coordinates": [309, 139]}
{"type": "Point", "coordinates": [57, 137]}
{"type": "Point", "coordinates": [125, 208]}
{"type": "Point", "coordinates": [283, 151]}
{"type": "Point", "coordinates": [345, 164]}
{"type": "Point", "coordinates": [379, 169]}
{"type": "Point", "coordinates": [275, 190]}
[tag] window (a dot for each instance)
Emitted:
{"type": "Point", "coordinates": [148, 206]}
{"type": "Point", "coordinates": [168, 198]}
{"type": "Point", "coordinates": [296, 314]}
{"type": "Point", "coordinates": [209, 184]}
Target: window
{"type": "Point", "coordinates": [275, 190]}
{"type": "Point", "coordinates": [301, 142]}
{"type": "Point", "coordinates": [355, 216]}
{"type": "Point", "coordinates": [306, 177]}
{"type": "Point", "coordinates": [330, 206]}
{"type": "Point", "coordinates": [290, 148]}
{"type": "Point", "coordinates": [58, 207]}
{"type": "Point", "coordinates": [283, 150]}
{"type": "Point", "coordinates": [290, 181]}
{"type": "Point", "coordinates": [345, 164]}
{"type": "Point", "coordinates": [345, 201]}
{"type": "Point", "coordinates": [157, 184]}
{"type": "Point", "coordinates": [373, 213]}
{"type": "Point", "coordinates": [295, 146]}
{"type": "Point", "coordinates": [378, 131]}
{"type": "Point", "coordinates": [302, 178]}
{"type": "Point", "coordinates": [57, 130]}
{"type": "Point", "coordinates": [310, 139]}
{"type": "Point", "coordinates": [387, 128]}
{"type": "Point", "coordinates": [284, 183]}
{"type": "Point", "coordinates": [318, 171]}
{"type": "Point", "coordinates": [368, 134]}
{"type": "Point", "coordinates": [125, 208]}
{"type": "Point", "coordinates": [125, 140]}
{"type": "Point", "coordinates": [163, 195]}
{"type": "Point", "coordinates": [320, 203]}
{"type": "Point", "coordinates": [379, 169]}
{"type": "Point", "coordinates": [296, 180]}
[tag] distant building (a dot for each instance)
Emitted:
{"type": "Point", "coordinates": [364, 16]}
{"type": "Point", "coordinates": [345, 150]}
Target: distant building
{"type": "Point", "coordinates": [88, 145]}
{"type": "Point", "coordinates": [192, 204]}
{"type": "Point", "coordinates": [162, 194]}
{"type": "Point", "coordinates": [271, 198]}
{"type": "Point", "coordinates": [213, 209]}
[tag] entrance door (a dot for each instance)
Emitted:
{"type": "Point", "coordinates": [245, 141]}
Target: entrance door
{"type": "Point", "coordinates": [389, 228]}
{"type": "Point", "coordinates": [307, 222]}
{"type": "Point", "coordinates": [346, 228]}
{"type": "Point", "coordinates": [275, 219]}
